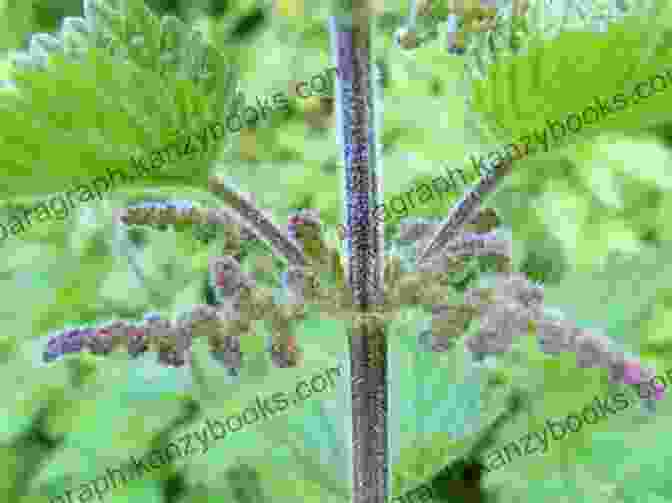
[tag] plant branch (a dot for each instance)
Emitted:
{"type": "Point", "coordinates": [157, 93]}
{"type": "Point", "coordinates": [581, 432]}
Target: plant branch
{"type": "Point", "coordinates": [465, 210]}
{"type": "Point", "coordinates": [251, 217]}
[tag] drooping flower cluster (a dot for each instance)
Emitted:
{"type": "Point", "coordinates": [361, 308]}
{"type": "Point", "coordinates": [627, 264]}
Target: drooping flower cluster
{"type": "Point", "coordinates": [513, 306]}
{"type": "Point", "coordinates": [510, 305]}
{"type": "Point", "coordinates": [489, 316]}
{"type": "Point", "coordinates": [153, 332]}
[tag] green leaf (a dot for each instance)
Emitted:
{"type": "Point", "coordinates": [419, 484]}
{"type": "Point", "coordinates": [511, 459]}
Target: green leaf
{"type": "Point", "coordinates": [88, 108]}
{"type": "Point", "coordinates": [515, 94]}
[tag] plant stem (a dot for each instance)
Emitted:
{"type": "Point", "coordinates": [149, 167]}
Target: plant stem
{"type": "Point", "coordinates": [465, 209]}
{"type": "Point", "coordinates": [351, 31]}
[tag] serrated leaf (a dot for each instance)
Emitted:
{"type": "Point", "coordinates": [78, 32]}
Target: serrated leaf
{"type": "Point", "coordinates": [562, 74]}
{"type": "Point", "coordinates": [94, 108]}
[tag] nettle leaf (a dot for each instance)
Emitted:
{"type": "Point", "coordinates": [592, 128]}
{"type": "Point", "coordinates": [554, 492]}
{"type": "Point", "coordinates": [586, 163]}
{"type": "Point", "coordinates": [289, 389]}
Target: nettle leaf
{"type": "Point", "coordinates": [568, 60]}
{"type": "Point", "coordinates": [115, 84]}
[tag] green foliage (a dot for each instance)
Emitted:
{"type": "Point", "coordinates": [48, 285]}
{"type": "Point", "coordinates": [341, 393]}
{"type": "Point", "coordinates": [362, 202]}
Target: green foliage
{"type": "Point", "coordinates": [514, 94]}
{"type": "Point", "coordinates": [118, 83]}
{"type": "Point", "coordinates": [579, 216]}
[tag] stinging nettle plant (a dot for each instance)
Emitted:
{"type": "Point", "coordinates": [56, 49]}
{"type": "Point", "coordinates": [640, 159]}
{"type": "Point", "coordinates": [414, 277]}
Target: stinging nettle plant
{"type": "Point", "coordinates": [355, 281]}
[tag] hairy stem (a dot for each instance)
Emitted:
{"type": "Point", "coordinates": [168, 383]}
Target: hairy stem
{"type": "Point", "coordinates": [350, 28]}
{"type": "Point", "coordinates": [251, 217]}
{"type": "Point", "coordinates": [369, 391]}
{"type": "Point", "coordinates": [465, 209]}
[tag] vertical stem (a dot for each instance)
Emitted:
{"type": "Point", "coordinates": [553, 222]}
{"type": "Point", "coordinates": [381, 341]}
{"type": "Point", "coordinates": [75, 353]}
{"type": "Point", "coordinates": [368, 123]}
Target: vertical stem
{"type": "Point", "coordinates": [368, 367]}
{"type": "Point", "coordinates": [351, 31]}
{"type": "Point", "coordinates": [355, 99]}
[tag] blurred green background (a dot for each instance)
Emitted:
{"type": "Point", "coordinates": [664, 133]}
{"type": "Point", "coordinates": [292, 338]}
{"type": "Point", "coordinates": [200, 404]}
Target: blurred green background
{"type": "Point", "coordinates": [589, 220]}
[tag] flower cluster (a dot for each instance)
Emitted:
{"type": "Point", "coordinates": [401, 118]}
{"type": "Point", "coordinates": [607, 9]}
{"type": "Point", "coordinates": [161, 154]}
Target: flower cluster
{"type": "Point", "coordinates": [513, 306]}
{"type": "Point", "coordinates": [457, 19]}
{"type": "Point", "coordinates": [491, 313]}
{"type": "Point", "coordinates": [508, 305]}
{"type": "Point", "coordinates": [170, 340]}
{"type": "Point", "coordinates": [171, 212]}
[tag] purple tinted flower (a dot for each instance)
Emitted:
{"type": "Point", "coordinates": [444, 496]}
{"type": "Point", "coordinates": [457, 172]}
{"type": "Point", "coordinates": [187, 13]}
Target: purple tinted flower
{"type": "Point", "coordinates": [293, 222]}
{"type": "Point", "coordinates": [54, 349]}
{"type": "Point", "coordinates": [632, 372]}
{"type": "Point", "coordinates": [639, 376]}
{"type": "Point", "coordinates": [73, 341]}
{"type": "Point", "coordinates": [659, 390]}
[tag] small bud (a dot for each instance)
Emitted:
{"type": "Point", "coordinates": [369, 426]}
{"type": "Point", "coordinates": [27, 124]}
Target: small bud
{"type": "Point", "coordinates": [554, 336]}
{"type": "Point", "coordinates": [592, 350]}
{"type": "Point", "coordinates": [301, 283]}
{"type": "Point", "coordinates": [519, 288]}
{"type": "Point", "coordinates": [478, 298]}
{"type": "Point", "coordinates": [639, 376]}
{"type": "Point", "coordinates": [226, 277]}
{"type": "Point", "coordinates": [439, 342]}
{"type": "Point", "coordinates": [413, 229]}
{"type": "Point", "coordinates": [632, 372]}
{"type": "Point", "coordinates": [486, 220]}
{"type": "Point", "coordinates": [99, 341]}
{"type": "Point", "coordinates": [659, 390]}
{"type": "Point", "coordinates": [305, 227]}
{"type": "Point", "coordinates": [226, 350]}
{"type": "Point", "coordinates": [507, 317]}
{"type": "Point", "coordinates": [54, 349]}
{"type": "Point", "coordinates": [138, 341]}
{"type": "Point", "coordinates": [616, 366]}
{"type": "Point", "coordinates": [489, 341]}
{"type": "Point", "coordinates": [73, 341]}
{"type": "Point", "coordinates": [285, 355]}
